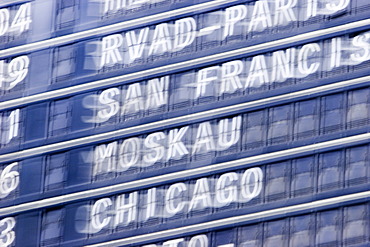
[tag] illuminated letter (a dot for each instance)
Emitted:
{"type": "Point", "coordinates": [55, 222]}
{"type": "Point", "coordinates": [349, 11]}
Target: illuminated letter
{"type": "Point", "coordinates": [7, 235]}
{"type": "Point", "coordinates": [113, 5]}
{"type": "Point", "coordinates": [226, 193]}
{"type": "Point", "coordinates": [258, 70]}
{"type": "Point", "coordinates": [303, 54]}
{"type": "Point", "coordinates": [158, 150]}
{"type": "Point", "coordinates": [110, 49]}
{"type": "Point", "coordinates": [201, 195]}
{"type": "Point", "coordinates": [361, 41]}
{"type": "Point", "coordinates": [126, 213]}
{"type": "Point", "coordinates": [17, 70]}
{"type": "Point", "coordinates": [198, 241]}
{"type": "Point", "coordinates": [134, 99]}
{"type": "Point", "coordinates": [173, 242]}
{"type": "Point", "coordinates": [129, 153]}
{"type": "Point", "coordinates": [336, 53]}
{"type": "Point", "coordinates": [311, 9]}
{"type": "Point", "coordinates": [175, 145]}
{"type": "Point", "coordinates": [225, 133]}
{"type": "Point", "coordinates": [13, 120]}
{"type": "Point", "coordinates": [105, 158]}
{"type": "Point", "coordinates": [99, 207]}
{"type": "Point", "coordinates": [283, 65]}
{"type": "Point", "coordinates": [184, 33]}
{"type": "Point", "coordinates": [284, 12]}
{"type": "Point", "coordinates": [157, 91]}
{"type": "Point", "coordinates": [107, 98]}
{"type": "Point", "coordinates": [9, 179]}
{"type": "Point", "coordinates": [232, 16]}
{"type": "Point", "coordinates": [173, 192]}
{"type": "Point", "coordinates": [230, 81]}
{"type": "Point", "coordinates": [136, 45]}
{"type": "Point", "coordinates": [337, 7]}
{"type": "Point", "coordinates": [204, 138]}
{"type": "Point", "coordinates": [247, 181]}
{"type": "Point", "coordinates": [161, 37]}
{"type": "Point", "coordinates": [151, 204]}
{"type": "Point", "coordinates": [261, 15]}
{"type": "Point", "coordinates": [203, 80]}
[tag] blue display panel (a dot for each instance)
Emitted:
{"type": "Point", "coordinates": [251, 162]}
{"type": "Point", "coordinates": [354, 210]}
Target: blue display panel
{"type": "Point", "coordinates": [254, 131]}
{"type": "Point", "coordinates": [27, 21]}
{"type": "Point", "coordinates": [102, 166]}
{"type": "Point", "coordinates": [162, 44]}
{"type": "Point", "coordinates": [184, 123]}
{"type": "Point", "coordinates": [191, 91]}
{"type": "Point", "coordinates": [17, 23]}
{"type": "Point", "coordinates": [347, 226]}
{"type": "Point", "coordinates": [334, 224]}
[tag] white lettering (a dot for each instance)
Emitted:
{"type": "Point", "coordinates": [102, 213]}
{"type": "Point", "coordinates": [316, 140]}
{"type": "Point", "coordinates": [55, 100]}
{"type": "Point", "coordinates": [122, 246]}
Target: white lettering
{"type": "Point", "coordinates": [205, 76]}
{"type": "Point", "coordinates": [230, 77]}
{"type": "Point", "coordinates": [167, 202]}
{"type": "Point", "coordinates": [303, 54]}
{"type": "Point", "coordinates": [341, 4]}
{"type": "Point", "coordinates": [311, 8]}
{"type": "Point", "coordinates": [261, 17]}
{"type": "Point", "coordinates": [129, 153]}
{"type": "Point", "coordinates": [134, 100]}
{"type": "Point", "coordinates": [9, 180]}
{"type": "Point", "coordinates": [17, 71]}
{"type": "Point", "coordinates": [284, 13]}
{"type": "Point", "coordinates": [258, 71]}
{"type": "Point", "coordinates": [185, 31]}
{"type": "Point", "coordinates": [151, 204]}
{"type": "Point", "coordinates": [107, 98]}
{"type": "Point", "coordinates": [229, 135]}
{"type": "Point", "coordinates": [251, 178]}
{"type": "Point", "coordinates": [110, 50]}
{"type": "Point", "coordinates": [13, 124]}
{"type": "Point", "coordinates": [7, 236]}
{"type": "Point", "coordinates": [232, 16]}
{"type": "Point", "coordinates": [176, 148]}
{"type": "Point", "coordinates": [361, 41]}
{"type": "Point", "coordinates": [201, 195]}
{"type": "Point", "coordinates": [173, 194]}
{"type": "Point", "coordinates": [226, 192]}
{"type": "Point", "coordinates": [126, 213]}
{"type": "Point", "coordinates": [198, 241]}
{"type": "Point", "coordinates": [336, 53]}
{"type": "Point", "coordinates": [151, 141]}
{"type": "Point", "coordinates": [283, 65]}
{"type": "Point", "coordinates": [204, 140]}
{"type": "Point", "coordinates": [9, 126]}
{"type": "Point", "coordinates": [157, 92]}
{"type": "Point", "coordinates": [21, 20]}
{"type": "Point", "coordinates": [105, 158]}
{"type": "Point", "coordinates": [136, 45]}
{"type": "Point", "coordinates": [97, 212]}
{"type": "Point", "coordinates": [173, 242]}
{"type": "Point", "coordinates": [161, 40]}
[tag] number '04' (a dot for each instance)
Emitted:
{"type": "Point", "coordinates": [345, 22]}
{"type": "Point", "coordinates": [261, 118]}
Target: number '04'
{"type": "Point", "coordinates": [20, 23]}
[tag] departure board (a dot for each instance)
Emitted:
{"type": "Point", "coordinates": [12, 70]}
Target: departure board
{"type": "Point", "coordinates": [180, 123]}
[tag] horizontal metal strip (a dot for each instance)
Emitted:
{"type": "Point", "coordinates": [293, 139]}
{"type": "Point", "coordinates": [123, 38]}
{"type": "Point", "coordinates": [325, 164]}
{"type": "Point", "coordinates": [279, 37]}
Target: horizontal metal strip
{"type": "Point", "coordinates": [219, 112]}
{"type": "Point", "coordinates": [197, 172]}
{"type": "Point", "coordinates": [110, 28]}
{"type": "Point", "coordinates": [232, 221]}
{"type": "Point", "coordinates": [177, 66]}
{"type": "Point", "coordinates": [7, 3]}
